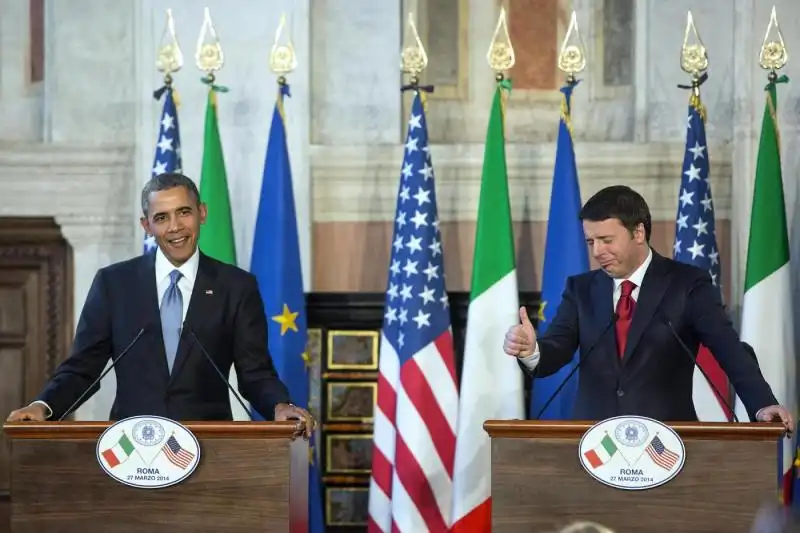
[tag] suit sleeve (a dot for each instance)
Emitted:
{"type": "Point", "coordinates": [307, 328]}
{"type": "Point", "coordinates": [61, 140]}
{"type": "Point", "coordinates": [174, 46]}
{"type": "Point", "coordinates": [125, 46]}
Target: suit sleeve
{"type": "Point", "coordinates": [258, 380]}
{"type": "Point", "coordinates": [91, 350]}
{"type": "Point", "coordinates": [715, 331]}
{"type": "Point", "coordinates": [558, 344]}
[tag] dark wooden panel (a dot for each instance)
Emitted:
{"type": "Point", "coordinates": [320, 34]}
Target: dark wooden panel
{"type": "Point", "coordinates": [36, 309]}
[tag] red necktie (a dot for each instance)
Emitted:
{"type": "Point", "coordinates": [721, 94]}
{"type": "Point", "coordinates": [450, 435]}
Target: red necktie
{"type": "Point", "coordinates": [625, 308]}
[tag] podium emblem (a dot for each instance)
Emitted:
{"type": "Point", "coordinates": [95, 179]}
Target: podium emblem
{"type": "Point", "coordinates": [148, 452]}
{"type": "Point", "coordinates": [632, 452]}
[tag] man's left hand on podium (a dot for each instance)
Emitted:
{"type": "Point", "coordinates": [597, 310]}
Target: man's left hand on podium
{"type": "Point", "coordinates": [777, 413]}
{"type": "Point", "coordinates": [288, 411]}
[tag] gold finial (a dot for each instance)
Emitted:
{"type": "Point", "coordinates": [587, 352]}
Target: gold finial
{"type": "Point", "coordinates": [170, 57]}
{"type": "Point", "coordinates": [282, 59]}
{"type": "Point", "coordinates": [413, 59]}
{"type": "Point", "coordinates": [209, 57]}
{"type": "Point", "coordinates": [773, 51]}
{"type": "Point", "coordinates": [501, 53]}
{"type": "Point", "coordinates": [572, 58]}
{"type": "Point", "coordinates": [694, 59]}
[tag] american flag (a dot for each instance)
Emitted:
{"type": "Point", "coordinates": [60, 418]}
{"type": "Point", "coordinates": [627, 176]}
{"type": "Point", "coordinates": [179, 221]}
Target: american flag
{"type": "Point", "coordinates": [661, 455]}
{"type": "Point", "coordinates": [176, 454]}
{"type": "Point", "coordinates": [696, 244]}
{"type": "Point", "coordinates": [417, 406]}
{"type": "Point", "coordinates": [168, 148]}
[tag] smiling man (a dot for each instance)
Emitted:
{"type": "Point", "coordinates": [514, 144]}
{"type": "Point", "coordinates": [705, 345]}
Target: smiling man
{"type": "Point", "coordinates": [158, 306]}
{"type": "Point", "coordinates": [628, 314]}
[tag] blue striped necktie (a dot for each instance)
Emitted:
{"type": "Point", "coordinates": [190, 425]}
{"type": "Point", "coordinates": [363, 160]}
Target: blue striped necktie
{"type": "Point", "coordinates": [172, 317]}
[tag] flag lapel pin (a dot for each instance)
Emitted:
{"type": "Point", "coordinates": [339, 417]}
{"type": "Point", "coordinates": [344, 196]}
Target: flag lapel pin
{"type": "Point", "coordinates": [209, 291]}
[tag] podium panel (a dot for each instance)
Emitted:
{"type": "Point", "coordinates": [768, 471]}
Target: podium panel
{"type": "Point", "coordinates": [538, 483]}
{"type": "Point", "coordinates": [251, 478]}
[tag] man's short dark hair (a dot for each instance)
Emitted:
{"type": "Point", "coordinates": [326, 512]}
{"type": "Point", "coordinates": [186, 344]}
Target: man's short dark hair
{"type": "Point", "coordinates": [166, 181]}
{"type": "Point", "coordinates": [621, 202]}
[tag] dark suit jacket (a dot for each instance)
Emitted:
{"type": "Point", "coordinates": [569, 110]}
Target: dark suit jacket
{"type": "Point", "coordinates": [225, 312]}
{"type": "Point", "coordinates": [654, 376]}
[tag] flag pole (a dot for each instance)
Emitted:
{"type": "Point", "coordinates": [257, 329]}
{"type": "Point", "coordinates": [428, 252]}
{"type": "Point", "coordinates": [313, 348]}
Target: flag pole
{"type": "Point", "coordinates": [769, 185]}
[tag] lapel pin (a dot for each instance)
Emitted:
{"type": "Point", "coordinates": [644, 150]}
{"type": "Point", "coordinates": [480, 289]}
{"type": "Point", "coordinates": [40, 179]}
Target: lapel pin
{"type": "Point", "coordinates": [209, 291]}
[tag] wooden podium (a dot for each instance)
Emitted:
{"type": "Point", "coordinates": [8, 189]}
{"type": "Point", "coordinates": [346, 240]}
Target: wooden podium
{"type": "Point", "coordinates": [538, 483]}
{"type": "Point", "coordinates": [252, 478]}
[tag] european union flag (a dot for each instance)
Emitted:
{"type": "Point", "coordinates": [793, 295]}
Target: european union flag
{"type": "Point", "coordinates": [276, 265]}
{"type": "Point", "coordinates": [565, 255]}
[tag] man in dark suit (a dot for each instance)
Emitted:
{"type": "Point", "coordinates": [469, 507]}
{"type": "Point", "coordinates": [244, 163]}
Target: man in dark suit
{"type": "Point", "coordinates": [177, 295]}
{"type": "Point", "coordinates": [637, 366]}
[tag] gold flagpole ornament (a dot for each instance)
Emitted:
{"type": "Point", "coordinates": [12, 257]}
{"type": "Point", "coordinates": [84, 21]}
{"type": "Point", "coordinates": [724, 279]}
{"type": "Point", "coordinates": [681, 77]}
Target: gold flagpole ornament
{"type": "Point", "coordinates": [694, 61]}
{"type": "Point", "coordinates": [572, 58]}
{"type": "Point", "coordinates": [169, 58]}
{"type": "Point", "coordinates": [413, 59]}
{"type": "Point", "coordinates": [501, 56]}
{"type": "Point", "coordinates": [209, 56]}
{"type": "Point", "coordinates": [282, 57]}
{"type": "Point", "coordinates": [773, 56]}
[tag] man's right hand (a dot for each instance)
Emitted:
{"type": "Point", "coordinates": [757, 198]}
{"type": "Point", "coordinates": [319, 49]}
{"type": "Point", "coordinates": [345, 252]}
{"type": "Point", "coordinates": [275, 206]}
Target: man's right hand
{"type": "Point", "coordinates": [521, 338]}
{"type": "Point", "coordinates": [35, 412]}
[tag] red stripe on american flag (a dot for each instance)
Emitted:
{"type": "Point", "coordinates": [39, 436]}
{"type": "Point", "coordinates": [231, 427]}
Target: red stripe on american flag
{"type": "Point", "coordinates": [382, 471]}
{"type": "Point", "coordinates": [416, 484]}
{"type": "Point", "coordinates": [421, 395]}
{"type": "Point", "coordinates": [387, 398]}
{"type": "Point", "coordinates": [717, 377]}
{"type": "Point", "coordinates": [444, 345]}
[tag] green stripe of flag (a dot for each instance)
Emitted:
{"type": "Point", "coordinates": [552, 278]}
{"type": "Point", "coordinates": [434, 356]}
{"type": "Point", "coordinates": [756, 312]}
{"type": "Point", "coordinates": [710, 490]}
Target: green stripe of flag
{"type": "Point", "coordinates": [494, 239]}
{"type": "Point", "coordinates": [768, 249]}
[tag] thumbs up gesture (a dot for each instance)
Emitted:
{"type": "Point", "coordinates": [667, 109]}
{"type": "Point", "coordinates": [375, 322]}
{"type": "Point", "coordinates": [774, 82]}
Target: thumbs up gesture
{"type": "Point", "coordinates": [520, 339]}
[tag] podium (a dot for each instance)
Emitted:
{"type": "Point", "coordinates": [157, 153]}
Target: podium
{"type": "Point", "coordinates": [251, 478]}
{"type": "Point", "coordinates": [538, 483]}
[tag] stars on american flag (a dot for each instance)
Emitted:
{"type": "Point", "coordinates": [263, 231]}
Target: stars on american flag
{"type": "Point", "coordinates": [168, 148]}
{"type": "Point", "coordinates": [416, 310]}
{"type": "Point", "coordinates": [695, 233]}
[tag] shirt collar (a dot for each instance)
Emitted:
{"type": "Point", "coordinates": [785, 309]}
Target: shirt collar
{"type": "Point", "coordinates": [637, 277]}
{"type": "Point", "coordinates": [189, 269]}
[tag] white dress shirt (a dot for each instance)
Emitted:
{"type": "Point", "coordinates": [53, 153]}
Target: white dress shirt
{"type": "Point", "coordinates": [163, 269]}
{"type": "Point", "coordinates": [186, 284]}
{"type": "Point", "coordinates": [637, 277]}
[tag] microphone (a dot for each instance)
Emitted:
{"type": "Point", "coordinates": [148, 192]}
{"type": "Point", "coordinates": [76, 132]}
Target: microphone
{"type": "Point", "coordinates": [114, 362]}
{"type": "Point", "coordinates": [694, 362]}
{"type": "Point", "coordinates": [219, 372]}
{"type": "Point", "coordinates": [582, 358]}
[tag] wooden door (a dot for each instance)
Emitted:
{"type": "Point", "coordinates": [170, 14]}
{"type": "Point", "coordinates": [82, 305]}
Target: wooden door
{"type": "Point", "coordinates": [36, 324]}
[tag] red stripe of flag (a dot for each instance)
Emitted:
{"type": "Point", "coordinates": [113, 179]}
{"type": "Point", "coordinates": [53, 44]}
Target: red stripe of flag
{"type": "Point", "coordinates": [717, 377]}
{"type": "Point", "coordinates": [416, 485]}
{"type": "Point", "coordinates": [422, 397]}
{"type": "Point", "coordinates": [478, 520]}
{"type": "Point", "coordinates": [444, 345]}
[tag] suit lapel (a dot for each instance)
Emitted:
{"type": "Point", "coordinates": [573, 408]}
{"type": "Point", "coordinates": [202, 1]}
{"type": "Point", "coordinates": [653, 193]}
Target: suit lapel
{"type": "Point", "coordinates": [654, 285]}
{"type": "Point", "coordinates": [150, 308]}
{"type": "Point", "coordinates": [603, 298]}
{"type": "Point", "coordinates": [202, 304]}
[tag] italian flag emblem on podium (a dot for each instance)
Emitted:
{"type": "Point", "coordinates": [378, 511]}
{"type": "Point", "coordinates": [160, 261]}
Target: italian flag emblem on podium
{"type": "Point", "coordinates": [602, 453]}
{"type": "Point", "coordinates": [120, 452]}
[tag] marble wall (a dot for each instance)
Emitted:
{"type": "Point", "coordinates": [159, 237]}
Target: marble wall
{"type": "Point", "coordinates": [83, 130]}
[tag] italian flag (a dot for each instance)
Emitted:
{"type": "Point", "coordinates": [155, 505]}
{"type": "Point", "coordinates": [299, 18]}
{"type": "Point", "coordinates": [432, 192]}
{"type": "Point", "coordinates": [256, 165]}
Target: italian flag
{"type": "Point", "coordinates": [767, 322]}
{"type": "Point", "coordinates": [602, 453]}
{"type": "Point", "coordinates": [216, 237]}
{"type": "Point", "coordinates": [491, 381]}
{"type": "Point", "coordinates": [120, 452]}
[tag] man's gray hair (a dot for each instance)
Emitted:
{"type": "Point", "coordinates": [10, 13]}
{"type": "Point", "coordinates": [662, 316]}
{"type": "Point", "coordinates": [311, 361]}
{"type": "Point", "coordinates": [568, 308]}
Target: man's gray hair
{"type": "Point", "coordinates": [166, 181]}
